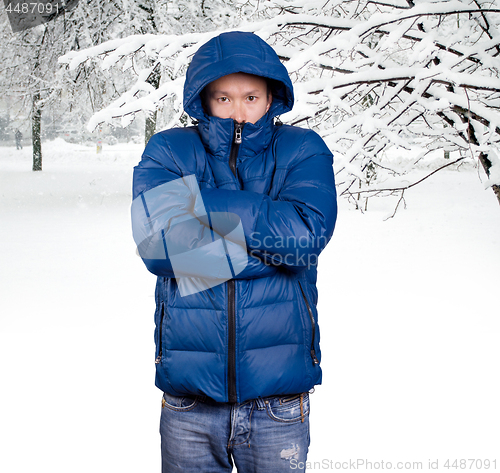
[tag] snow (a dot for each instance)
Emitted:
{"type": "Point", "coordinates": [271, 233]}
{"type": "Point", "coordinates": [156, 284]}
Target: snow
{"type": "Point", "coordinates": [408, 312]}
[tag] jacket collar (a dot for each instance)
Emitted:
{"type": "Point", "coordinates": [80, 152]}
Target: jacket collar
{"type": "Point", "coordinates": [217, 135]}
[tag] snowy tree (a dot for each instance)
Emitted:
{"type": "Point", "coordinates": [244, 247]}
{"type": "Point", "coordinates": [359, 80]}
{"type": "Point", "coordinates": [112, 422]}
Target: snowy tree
{"type": "Point", "coordinates": [31, 79]}
{"type": "Point", "coordinates": [29, 65]}
{"type": "Point", "coordinates": [72, 98]}
{"type": "Point", "coordinates": [30, 75]}
{"type": "Point", "coordinates": [370, 76]}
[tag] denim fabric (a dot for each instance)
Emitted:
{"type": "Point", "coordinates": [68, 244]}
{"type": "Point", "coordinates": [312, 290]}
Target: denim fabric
{"type": "Point", "coordinates": [258, 436]}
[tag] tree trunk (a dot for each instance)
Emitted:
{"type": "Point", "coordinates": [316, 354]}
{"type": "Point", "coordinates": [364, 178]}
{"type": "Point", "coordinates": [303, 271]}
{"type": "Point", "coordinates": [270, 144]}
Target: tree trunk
{"type": "Point", "coordinates": [36, 117]}
{"type": "Point", "coordinates": [485, 161]}
{"type": "Point", "coordinates": [150, 128]}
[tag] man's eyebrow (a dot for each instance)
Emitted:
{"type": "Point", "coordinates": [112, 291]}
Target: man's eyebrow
{"type": "Point", "coordinates": [223, 92]}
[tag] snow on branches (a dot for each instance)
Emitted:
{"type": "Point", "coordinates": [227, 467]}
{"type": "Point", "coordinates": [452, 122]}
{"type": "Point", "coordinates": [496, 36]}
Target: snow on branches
{"type": "Point", "coordinates": [370, 76]}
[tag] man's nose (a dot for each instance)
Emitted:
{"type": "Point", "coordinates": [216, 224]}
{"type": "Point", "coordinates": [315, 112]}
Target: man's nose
{"type": "Point", "coordinates": [238, 113]}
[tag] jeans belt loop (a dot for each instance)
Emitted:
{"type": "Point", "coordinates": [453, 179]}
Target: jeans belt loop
{"type": "Point", "coordinates": [260, 403]}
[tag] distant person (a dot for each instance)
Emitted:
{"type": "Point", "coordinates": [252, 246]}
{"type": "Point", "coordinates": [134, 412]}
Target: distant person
{"type": "Point", "coordinates": [19, 137]}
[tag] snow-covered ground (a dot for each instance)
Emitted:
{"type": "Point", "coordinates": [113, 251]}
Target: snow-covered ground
{"type": "Point", "coordinates": [408, 312]}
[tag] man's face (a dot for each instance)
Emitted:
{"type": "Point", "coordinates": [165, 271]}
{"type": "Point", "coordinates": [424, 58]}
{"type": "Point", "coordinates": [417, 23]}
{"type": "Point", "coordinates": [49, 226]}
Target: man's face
{"type": "Point", "coordinates": [242, 97]}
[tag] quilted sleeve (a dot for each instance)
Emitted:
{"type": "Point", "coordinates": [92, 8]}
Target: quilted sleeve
{"type": "Point", "coordinates": [294, 228]}
{"type": "Point", "coordinates": [175, 235]}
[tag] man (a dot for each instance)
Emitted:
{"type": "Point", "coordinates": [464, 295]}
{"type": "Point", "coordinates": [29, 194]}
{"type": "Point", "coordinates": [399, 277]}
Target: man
{"type": "Point", "coordinates": [231, 215]}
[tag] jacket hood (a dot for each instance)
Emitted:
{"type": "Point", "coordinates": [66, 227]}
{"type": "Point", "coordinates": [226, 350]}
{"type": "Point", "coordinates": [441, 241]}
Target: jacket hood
{"type": "Point", "coordinates": [236, 52]}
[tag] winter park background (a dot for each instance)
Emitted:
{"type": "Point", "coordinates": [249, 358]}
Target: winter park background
{"type": "Point", "coordinates": [408, 301]}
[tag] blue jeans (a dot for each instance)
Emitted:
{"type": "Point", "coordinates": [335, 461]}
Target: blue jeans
{"type": "Point", "coordinates": [262, 435]}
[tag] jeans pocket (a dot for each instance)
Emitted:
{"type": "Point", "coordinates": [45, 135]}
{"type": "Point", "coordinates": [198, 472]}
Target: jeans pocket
{"type": "Point", "coordinates": [179, 403]}
{"type": "Point", "coordinates": [288, 409]}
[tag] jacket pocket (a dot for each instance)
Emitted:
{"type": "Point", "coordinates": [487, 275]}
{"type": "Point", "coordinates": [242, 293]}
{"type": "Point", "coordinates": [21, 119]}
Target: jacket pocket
{"type": "Point", "coordinates": [313, 325]}
{"type": "Point", "coordinates": [159, 336]}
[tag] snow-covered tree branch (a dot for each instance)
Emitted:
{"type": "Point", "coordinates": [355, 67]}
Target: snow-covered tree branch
{"type": "Point", "coordinates": [370, 76]}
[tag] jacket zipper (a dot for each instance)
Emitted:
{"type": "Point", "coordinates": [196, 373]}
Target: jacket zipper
{"type": "Point", "coordinates": [231, 326]}
{"type": "Point", "coordinates": [313, 323]}
{"type": "Point", "coordinates": [238, 127]}
{"type": "Point", "coordinates": [231, 309]}
{"type": "Point", "coordinates": [160, 330]}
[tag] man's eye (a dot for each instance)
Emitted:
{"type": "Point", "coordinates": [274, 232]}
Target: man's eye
{"type": "Point", "coordinates": [223, 99]}
{"type": "Point", "coordinates": [252, 98]}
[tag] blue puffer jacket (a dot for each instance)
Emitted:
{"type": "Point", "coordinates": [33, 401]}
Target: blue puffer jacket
{"type": "Point", "coordinates": [256, 334]}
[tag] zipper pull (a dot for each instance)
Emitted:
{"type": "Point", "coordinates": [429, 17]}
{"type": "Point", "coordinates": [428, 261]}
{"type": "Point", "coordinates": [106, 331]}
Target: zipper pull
{"type": "Point", "coordinates": [158, 359]}
{"type": "Point", "coordinates": [237, 133]}
{"type": "Point", "coordinates": [302, 406]}
{"type": "Point", "coordinates": [314, 357]}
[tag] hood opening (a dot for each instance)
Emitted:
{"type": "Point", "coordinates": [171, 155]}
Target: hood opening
{"type": "Point", "coordinates": [234, 52]}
